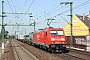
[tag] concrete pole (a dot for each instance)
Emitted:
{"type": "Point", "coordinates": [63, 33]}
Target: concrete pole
{"type": "Point", "coordinates": [34, 25]}
{"type": "Point", "coordinates": [71, 24]}
{"type": "Point", "coordinates": [3, 29]}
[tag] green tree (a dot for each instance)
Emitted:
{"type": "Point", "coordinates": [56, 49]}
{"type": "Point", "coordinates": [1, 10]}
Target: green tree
{"type": "Point", "coordinates": [5, 34]}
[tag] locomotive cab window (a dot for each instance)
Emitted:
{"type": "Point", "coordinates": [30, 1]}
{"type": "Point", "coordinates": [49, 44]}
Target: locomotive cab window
{"type": "Point", "coordinates": [60, 32]}
{"type": "Point", "coordinates": [56, 32]}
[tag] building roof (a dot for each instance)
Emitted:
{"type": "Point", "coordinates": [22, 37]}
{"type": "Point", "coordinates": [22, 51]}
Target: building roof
{"type": "Point", "coordinates": [85, 20]}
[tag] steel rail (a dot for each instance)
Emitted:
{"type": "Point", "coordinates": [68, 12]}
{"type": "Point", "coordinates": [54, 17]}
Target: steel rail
{"type": "Point", "coordinates": [18, 55]}
{"type": "Point", "coordinates": [34, 58]}
{"type": "Point", "coordinates": [68, 56]}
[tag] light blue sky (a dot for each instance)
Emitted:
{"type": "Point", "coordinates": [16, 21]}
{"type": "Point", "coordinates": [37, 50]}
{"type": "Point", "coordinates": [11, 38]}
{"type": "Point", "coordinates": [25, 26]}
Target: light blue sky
{"type": "Point", "coordinates": [41, 9]}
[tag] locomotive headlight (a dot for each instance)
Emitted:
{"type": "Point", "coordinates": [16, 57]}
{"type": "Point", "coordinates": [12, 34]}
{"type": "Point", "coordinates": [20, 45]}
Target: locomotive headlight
{"type": "Point", "coordinates": [62, 39]}
{"type": "Point", "coordinates": [52, 39]}
{"type": "Point", "coordinates": [63, 42]}
{"type": "Point", "coordinates": [52, 42]}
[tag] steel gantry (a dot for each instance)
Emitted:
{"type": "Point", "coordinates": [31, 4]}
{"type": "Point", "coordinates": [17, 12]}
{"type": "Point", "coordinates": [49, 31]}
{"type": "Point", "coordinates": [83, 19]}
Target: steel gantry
{"type": "Point", "coordinates": [3, 25]}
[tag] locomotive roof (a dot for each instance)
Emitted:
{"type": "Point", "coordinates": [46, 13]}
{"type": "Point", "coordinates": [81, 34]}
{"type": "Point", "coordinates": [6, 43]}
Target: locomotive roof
{"type": "Point", "coordinates": [52, 28]}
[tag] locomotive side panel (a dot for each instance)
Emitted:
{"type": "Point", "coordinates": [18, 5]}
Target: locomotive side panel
{"type": "Point", "coordinates": [47, 38]}
{"type": "Point", "coordinates": [39, 38]}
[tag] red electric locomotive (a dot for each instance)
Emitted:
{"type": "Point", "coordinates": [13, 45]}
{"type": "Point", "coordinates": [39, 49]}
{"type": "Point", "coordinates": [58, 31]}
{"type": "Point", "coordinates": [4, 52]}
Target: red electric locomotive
{"type": "Point", "coordinates": [51, 39]}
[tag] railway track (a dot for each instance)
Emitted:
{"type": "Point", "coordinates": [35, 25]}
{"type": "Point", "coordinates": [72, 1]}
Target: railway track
{"type": "Point", "coordinates": [75, 55]}
{"type": "Point", "coordinates": [39, 53]}
{"type": "Point", "coordinates": [80, 54]}
{"type": "Point", "coordinates": [71, 55]}
{"type": "Point", "coordinates": [21, 53]}
{"type": "Point", "coordinates": [68, 57]}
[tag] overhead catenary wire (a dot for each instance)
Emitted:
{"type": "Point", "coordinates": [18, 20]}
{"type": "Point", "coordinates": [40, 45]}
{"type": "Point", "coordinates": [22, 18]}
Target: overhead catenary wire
{"type": "Point", "coordinates": [13, 6]}
{"type": "Point", "coordinates": [27, 10]}
{"type": "Point", "coordinates": [49, 8]}
{"type": "Point", "coordinates": [15, 12]}
{"type": "Point", "coordinates": [24, 5]}
{"type": "Point", "coordinates": [22, 9]}
{"type": "Point", "coordinates": [82, 4]}
{"type": "Point", "coordinates": [63, 19]}
{"type": "Point", "coordinates": [11, 10]}
{"type": "Point", "coordinates": [53, 10]}
{"type": "Point", "coordinates": [59, 22]}
{"type": "Point", "coordinates": [10, 5]}
{"type": "Point", "coordinates": [78, 6]}
{"type": "Point", "coordinates": [75, 8]}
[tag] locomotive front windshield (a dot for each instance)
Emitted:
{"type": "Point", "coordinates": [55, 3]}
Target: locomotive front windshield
{"type": "Point", "coordinates": [56, 32]}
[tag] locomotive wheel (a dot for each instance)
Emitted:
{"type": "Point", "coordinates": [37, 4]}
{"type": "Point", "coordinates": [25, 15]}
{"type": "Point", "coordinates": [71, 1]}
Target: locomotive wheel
{"type": "Point", "coordinates": [50, 50]}
{"type": "Point", "coordinates": [46, 49]}
{"type": "Point", "coordinates": [40, 46]}
{"type": "Point", "coordinates": [64, 50]}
